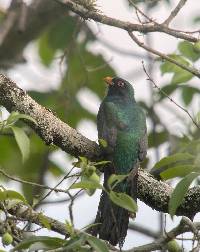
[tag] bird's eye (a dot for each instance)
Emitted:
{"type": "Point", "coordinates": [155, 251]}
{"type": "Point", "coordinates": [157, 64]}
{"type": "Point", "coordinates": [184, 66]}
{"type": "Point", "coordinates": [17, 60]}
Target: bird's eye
{"type": "Point", "coordinates": [120, 83]}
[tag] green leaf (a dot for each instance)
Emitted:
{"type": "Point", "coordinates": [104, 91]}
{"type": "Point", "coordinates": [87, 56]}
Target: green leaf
{"type": "Point", "coordinates": [1, 114]}
{"type": "Point", "coordinates": [173, 165]}
{"type": "Point", "coordinates": [197, 46]}
{"type": "Point", "coordinates": [81, 163]}
{"type": "Point", "coordinates": [179, 192]}
{"type": "Point", "coordinates": [187, 49]}
{"type": "Point", "coordinates": [57, 36]}
{"type": "Point", "coordinates": [103, 143]}
{"type": "Point", "coordinates": [89, 169]}
{"type": "Point", "coordinates": [56, 171]}
{"type": "Point", "coordinates": [44, 242]}
{"type": "Point", "coordinates": [157, 138]}
{"type": "Point", "coordinates": [196, 19]}
{"type": "Point", "coordinates": [83, 160]}
{"type": "Point", "coordinates": [181, 76]}
{"type": "Point", "coordinates": [115, 179]}
{"type": "Point", "coordinates": [168, 89]}
{"type": "Point", "coordinates": [100, 66]}
{"type": "Point", "coordinates": [178, 171]}
{"type": "Point", "coordinates": [15, 116]}
{"type": "Point", "coordinates": [173, 159]}
{"type": "Point", "coordinates": [93, 178]}
{"type": "Point", "coordinates": [198, 117]}
{"type": "Point", "coordinates": [27, 117]}
{"type": "Point", "coordinates": [10, 194]}
{"type": "Point", "coordinates": [188, 93]}
{"type": "Point", "coordinates": [97, 244]}
{"type": "Point", "coordinates": [22, 141]}
{"type": "Point", "coordinates": [75, 243]}
{"type": "Point", "coordinates": [87, 185]}
{"type": "Point", "coordinates": [45, 51]}
{"type": "Point", "coordinates": [168, 67]}
{"type": "Point", "coordinates": [43, 219]}
{"type": "Point", "coordinates": [60, 33]}
{"type": "Point", "coordinates": [123, 200]}
{"type": "Point", "coordinates": [69, 228]}
{"type": "Point", "coordinates": [89, 226]}
{"type": "Point", "coordinates": [187, 96]}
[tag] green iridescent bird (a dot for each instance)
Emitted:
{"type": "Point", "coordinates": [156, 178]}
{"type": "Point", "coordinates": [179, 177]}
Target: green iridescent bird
{"type": "Point", "coordinates": [121, 123]}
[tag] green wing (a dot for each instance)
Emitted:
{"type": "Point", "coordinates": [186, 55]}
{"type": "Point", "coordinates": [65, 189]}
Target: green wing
{"type": "Point", "coordinates": [108, 123]}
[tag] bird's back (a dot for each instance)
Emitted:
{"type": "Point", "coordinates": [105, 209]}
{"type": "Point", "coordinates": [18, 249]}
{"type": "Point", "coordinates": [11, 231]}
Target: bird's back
{"type": "Point", "coordinates": [126, 151]}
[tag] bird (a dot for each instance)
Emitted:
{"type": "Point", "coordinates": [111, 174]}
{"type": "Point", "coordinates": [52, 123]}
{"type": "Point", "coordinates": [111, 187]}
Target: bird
{"type": "Point", "coordinates": [121, 123]}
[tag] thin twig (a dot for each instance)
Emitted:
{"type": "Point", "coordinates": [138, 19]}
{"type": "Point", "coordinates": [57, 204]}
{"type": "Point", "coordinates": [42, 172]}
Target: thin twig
{"type": "Point", "coordinates": [32, 183]}
{"type": "Point", "coordinates": [174, 12]}
{"type": "Point", "coordinates": [54, 188]}
{"type": "Point", "coordinates": [23, 17]}
{"type": "Point", "coordinates": [71, 209]}
{"type": "Point", "coordinates": [143, 230]}
{"type": "Point", "coordinates": [64, 200]}
{"type": "Point", "coordinates": [190, 69]}
{"type": "Point", "coordinates": [151, 20]}
{"type": "Point", "coordinates": [9, 22]}
{"type": "Point", "coordinates": [166, 95]}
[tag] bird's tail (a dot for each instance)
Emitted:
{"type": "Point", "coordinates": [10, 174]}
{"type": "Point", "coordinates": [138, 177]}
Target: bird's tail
{"type": "Point", "coordinates": [112, 220]}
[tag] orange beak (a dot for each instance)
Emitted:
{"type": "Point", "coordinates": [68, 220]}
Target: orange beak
{"type": "Point", "coordinates": [108, 80]}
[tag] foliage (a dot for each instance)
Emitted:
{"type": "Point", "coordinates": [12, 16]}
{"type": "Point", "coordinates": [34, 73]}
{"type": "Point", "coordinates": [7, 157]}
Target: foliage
{"type": "Point", "coordinates": [188, 55]}
{"type": "Point", "coordinates": [19, 134]}
{"type": "Point", "coordinates": [77, 242]}
{"type": "Point", "coordinates": [180, 191]}
{"type": "Point", "coordinates": [9, 194]}
{"type": "Point", "coordinates": [90, 182]}
{"type": "Point", "coordinates": [24, 156]}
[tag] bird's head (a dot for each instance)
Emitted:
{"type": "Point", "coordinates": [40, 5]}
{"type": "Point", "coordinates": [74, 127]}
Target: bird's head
{"type": "Point", "coordinates": [119, 87]}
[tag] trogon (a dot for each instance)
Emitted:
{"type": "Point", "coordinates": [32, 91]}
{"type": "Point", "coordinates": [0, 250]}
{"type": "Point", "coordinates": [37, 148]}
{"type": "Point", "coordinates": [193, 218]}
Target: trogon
{"type": "Point", "coordinates": [121, 123]}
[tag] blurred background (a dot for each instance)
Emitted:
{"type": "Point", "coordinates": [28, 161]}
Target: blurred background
{"type": "Point", "coordinates": [61, 59]}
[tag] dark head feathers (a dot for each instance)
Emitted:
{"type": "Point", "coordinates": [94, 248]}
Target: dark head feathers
{"type": "Point", "coordinates": [119, 87]}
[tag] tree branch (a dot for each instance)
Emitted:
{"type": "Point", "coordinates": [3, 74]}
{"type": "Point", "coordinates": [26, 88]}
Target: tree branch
{"type": "Point", "coordinates": [52, 130]}
{"type": "Point", "coordinates": [26, 213]}
{"type": "Point", "coordinates": [40, 14]}
{"type": "Point", "coordinates": [98, 17]}
{"type": "Point", "coordinates": [161, 242]}
{"type": "Point", "coordinates": [174, 12]}
{"type": "Point", "coordinates": [55, 189]}
{"type": "Point", "coordinates": [190, 69]}
{"type": "Point", "coordinates": [9, 21]}
{"type": "Point", "coordinates": [152, 26]}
